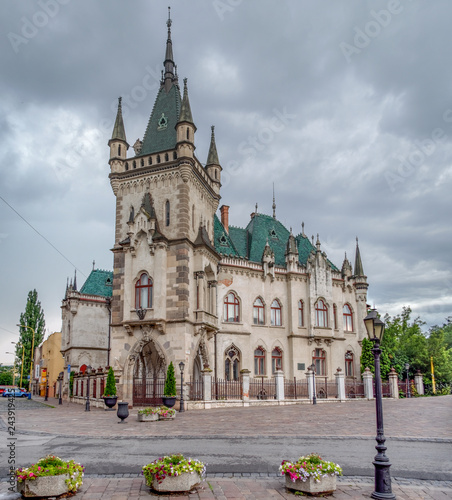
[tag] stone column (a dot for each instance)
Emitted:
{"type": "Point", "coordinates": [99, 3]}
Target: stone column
{"type": "Point", "coordinates": [245, 386]}
{"type": "Point", "coordinates": [368, 384]}
{"type": "Point", "coordinates": [393, 384]}
{"type": "Point", "coordinates": [340, 384]}
{"type": "Point", "coordinates": [419, 383]}
{"type": "Point", "coordinates": [310, 377]}
{"type": "Point", "coordinates": [279, 381]}
{"type": "Point", "coordinates": [207, 384]}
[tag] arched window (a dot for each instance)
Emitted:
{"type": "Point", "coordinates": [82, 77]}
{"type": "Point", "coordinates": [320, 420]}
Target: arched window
{"type": "Point", "coordinates": [349, 364]}
{"type": "Point", "coordinates": [166, 157]}
{"type": "Point", "coordinates": [276, 359]}
{"type": "Point", "coordinates": [142, 162]}
{"type": "Point", "coordinates": [275, 313]}
{"type": "Point", "coordinates": [319, 359]}
{"type": "Point", "coordinates": [335, 316]}
{"type": "Point", "coordinates": [321, 313]}
{"type": "Point", "coordinates": [167, 213]}
{"type": "Point", "coordinates": [259, 361]}
{"type": "Point", "coordinates": [143, 292]}
{"type": "Point", "coordinates": [158, 158]}
{"type": "Point", "coordinates": [150, 160]}
{"type": "Point", "coordinates": [134, 164]}
{"type": "Point", "coordinates": [258, 312]}
{"type": "Point", "coordinates": [232, 363]}
{"type": "Point", "coordinates": [174, 155]}
{"type": "Point", "coordinates": [348, 318]}
{"type": "Point", "coordinates": [300, 313]}
{"type": "Point", "coordinates": [119, 149]}
{"type": "Point", "coordinates": [188, 133]}
{"type": "Point", "coordinates": [215, 172]}
{"type": "Point", "coordinates": [127, 165]}
{"type": "Point", "coordinates": [231, 308]}
{"type": "Point", "coordinates": [193, 217]}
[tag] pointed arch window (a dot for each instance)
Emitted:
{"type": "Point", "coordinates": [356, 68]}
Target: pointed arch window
{"type": "Point", "coordinates": [276, 359]}
{"type": "Point", "coordinates": [142, 162]}
{"type": "Point", "coordinates": [231, 308]}
{"type": "Point", "coordinates": [258, 312]}
{"type": "Point", "coordinates": [300, 313]}
{"type": "Point", "coordinates": [335, 316]}
{"type": "Point", "coordinates": [166, 157]}
{"type": "Point", "coordinates": [143, 292]}
{"type": "Point", "coordinates": [119, 149]}
{"type": "Point", "coordinates": [321, 314]}
{"type": "Point", "coordinates": [348, 318]}
{"type": "Point", "coordinates": [150, 160]}
{"type": "Point", "coordinates": [231, 363]}
{"type": "Point", "coordinates": [349, 364]}
{"type": "Point", "coordinates": [188, 133]}
{"type": "Point", "coordinates": [259, 361]}
{"type": "Point", "coordinates": [319, 361]}
{"type": "Point", "coordinates": [167, 213]}
{"type": "Point", "coordinates": [275, 313]}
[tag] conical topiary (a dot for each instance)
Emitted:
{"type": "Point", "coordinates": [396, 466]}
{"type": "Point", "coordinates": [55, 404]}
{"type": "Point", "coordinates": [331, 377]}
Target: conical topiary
{"type": "Point", "coordinates": [110, 387]}
{"type": "Point", "coordinates": [170, 382]}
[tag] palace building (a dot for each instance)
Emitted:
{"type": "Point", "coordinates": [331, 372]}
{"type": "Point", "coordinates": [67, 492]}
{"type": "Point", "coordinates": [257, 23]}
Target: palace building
{"type": "Point", "coordinates": [188, 286]}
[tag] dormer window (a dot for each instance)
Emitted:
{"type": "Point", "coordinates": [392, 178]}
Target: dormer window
{"type": "Point", "coordinates": [223, 240]}
{"type": "Point", "coordinates": [163, 122]}
{"type": "Point", "coordinates": [273, 233]}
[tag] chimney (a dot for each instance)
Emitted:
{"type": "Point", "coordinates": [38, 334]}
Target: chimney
{"type": "Point", "coordinates": [224, 209]}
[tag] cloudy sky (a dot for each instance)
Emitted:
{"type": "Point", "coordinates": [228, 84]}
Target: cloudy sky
{"type": "Point", "coordinates": [346, 106]}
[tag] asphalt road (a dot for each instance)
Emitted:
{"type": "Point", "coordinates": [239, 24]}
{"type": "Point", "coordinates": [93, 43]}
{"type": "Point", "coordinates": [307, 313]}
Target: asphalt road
{"type": "Point", "coordinates": [418, 459]}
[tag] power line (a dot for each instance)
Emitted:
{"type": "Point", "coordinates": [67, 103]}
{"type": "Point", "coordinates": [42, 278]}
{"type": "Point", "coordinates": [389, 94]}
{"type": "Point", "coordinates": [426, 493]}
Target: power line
{"type": "Point", "coordinates": [41, 235]}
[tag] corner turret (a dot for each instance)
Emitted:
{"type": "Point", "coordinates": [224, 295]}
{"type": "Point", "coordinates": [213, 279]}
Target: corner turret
{"type": "Point", "coordinates": [118, 142]}
{"type": "Point", "coordinates": [185, 128]}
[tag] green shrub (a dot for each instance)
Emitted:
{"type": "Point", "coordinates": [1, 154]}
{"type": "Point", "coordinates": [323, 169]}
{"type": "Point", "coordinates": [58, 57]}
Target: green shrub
{"type": "Point", "coordinates": [170, 382]}
{"type": "Point", "coordinates": [110, 387]}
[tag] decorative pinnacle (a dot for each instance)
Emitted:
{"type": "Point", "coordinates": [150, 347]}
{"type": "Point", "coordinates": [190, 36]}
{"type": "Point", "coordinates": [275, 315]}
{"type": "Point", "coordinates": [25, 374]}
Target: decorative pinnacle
{"type": "Point", "coordinates": [274, 204]}
{"type": "Point", "coordinates": [302, 228]}
{"type": "Point", "coordinates": [256, 209]}
{"type": "Point", "coordinates": [169, 22]}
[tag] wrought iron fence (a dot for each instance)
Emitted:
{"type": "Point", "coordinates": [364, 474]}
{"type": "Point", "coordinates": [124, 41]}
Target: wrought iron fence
{"type": "Point", "coordinates": [226, 389]}
{"type": "Point", "coordinates": [262, 389]}
{"type": "Point", "coordinates": [354, 389]}
{"type": "Point", "coordinates": [148, 392]}
{"type": "Point", "coordinates": [324, 388]}
{"type": "Point", "coordinates": [195, 390]}
{"type": "Point", "coordinates": [296, 389]}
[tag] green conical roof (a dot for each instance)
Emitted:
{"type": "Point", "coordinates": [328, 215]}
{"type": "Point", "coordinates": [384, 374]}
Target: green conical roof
{"type": "Point", "coordinates": [119, 132]}
{"type": "Point", "coordinates": [212, 157]}
{"type": "Point", "coordinates": [185, 112]}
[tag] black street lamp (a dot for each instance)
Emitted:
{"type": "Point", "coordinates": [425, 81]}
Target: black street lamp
{"type": "Point", "coordinates": [375, 329]}
{"type": "Point", "coordinates": [314, 390]}
{"type": "Point", "coordinates": [88, 372]}
{"type": "Point", "coordinates": [407, 367]}
{"type": "Point", "coordinates": [60, 399]}
{"type": "Point", "coordinates": [47, 386]}
{"type": "Point", "coordinates": [181, 406]}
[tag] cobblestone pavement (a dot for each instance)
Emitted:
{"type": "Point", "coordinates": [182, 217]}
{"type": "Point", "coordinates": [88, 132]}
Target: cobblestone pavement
{"type": "Point", "coordinates": [416, 418]}
{"type": "Point", "coordinates": [409, 419]}
{"type": "Point", "coordinates": [250, 488]}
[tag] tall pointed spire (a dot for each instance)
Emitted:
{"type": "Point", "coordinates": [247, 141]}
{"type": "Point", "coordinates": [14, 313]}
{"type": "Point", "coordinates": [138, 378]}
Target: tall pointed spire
{"type": "Point", "coordinates": [359, 271]}
{"type": "Point", "coordinates": [274, 204]}
{"type": "Point", "coordinates": [169, 75]}
{"type": "Point", "coordinates": [212, 157]}
{"type": "Point", "coordinates": [119, 132]}
{"type": "Point", "coordinates": [185, 110]}
{"type": "Point", "coordinates": [75, 280]}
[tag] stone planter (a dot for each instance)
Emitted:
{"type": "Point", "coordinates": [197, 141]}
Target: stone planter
{"type": "Point", "coordinates": [172, 417]}
{"type": "Point", "coordinates": [110, 402]}
{"type": "Point", "coordinates": [325, 486]}
{"type": "Point", "coordinates": [184, 482]}
{"type": "Point", "coordinates": [45, 486]}
{"type": "Point", "coordinates": [151, 417]}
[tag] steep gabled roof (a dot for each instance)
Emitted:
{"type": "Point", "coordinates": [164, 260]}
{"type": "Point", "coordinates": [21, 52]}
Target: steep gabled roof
{"type": "Point", "coordinates": [99, 282]}
{"type": "Point", "coordinates": [222, 241]}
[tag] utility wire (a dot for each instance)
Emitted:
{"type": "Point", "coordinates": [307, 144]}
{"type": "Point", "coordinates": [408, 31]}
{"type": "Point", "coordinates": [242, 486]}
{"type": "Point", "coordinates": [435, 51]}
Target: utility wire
{"type": "Point", "coordinates": [42, 236]}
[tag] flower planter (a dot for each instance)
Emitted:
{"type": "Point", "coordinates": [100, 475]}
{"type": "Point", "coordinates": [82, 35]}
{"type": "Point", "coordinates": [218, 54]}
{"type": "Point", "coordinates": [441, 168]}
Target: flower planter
{"type": "Point", "coordinates": [152, 417]}
{"type": "Point", "coordinates": [168, 401]}
{"type": "Point", "coordinates": [110, 402]}
{"type": "Point", "coordinates": [45, 486]}
{"type": "Point", "coordinates": [326, 485]}
{"type": "Point", "coordinates": [169, 417]}
{"type": "Point", "coordinates": [184, 482]}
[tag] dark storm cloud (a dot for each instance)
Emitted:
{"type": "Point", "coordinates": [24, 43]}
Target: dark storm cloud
{"type": "Point", "coordinates": [345, 106]}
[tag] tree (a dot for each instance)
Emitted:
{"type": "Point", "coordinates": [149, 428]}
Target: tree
{"type": "Point", "coordinates": [30, 320]}
{"type": "Point", "coordinates": [438, 350]}
{"type": "Point", "coordinates": [170, 382]}
{"type": "Point", "coordinates": [368, 359]}
{"type": "Point", "coordinates": [6, 375]}
{"type": "Point", "coordinates": [110, 386]}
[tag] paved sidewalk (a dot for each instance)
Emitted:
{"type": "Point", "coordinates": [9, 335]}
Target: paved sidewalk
{"type": "Point", "coordinates": [250, 488]}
